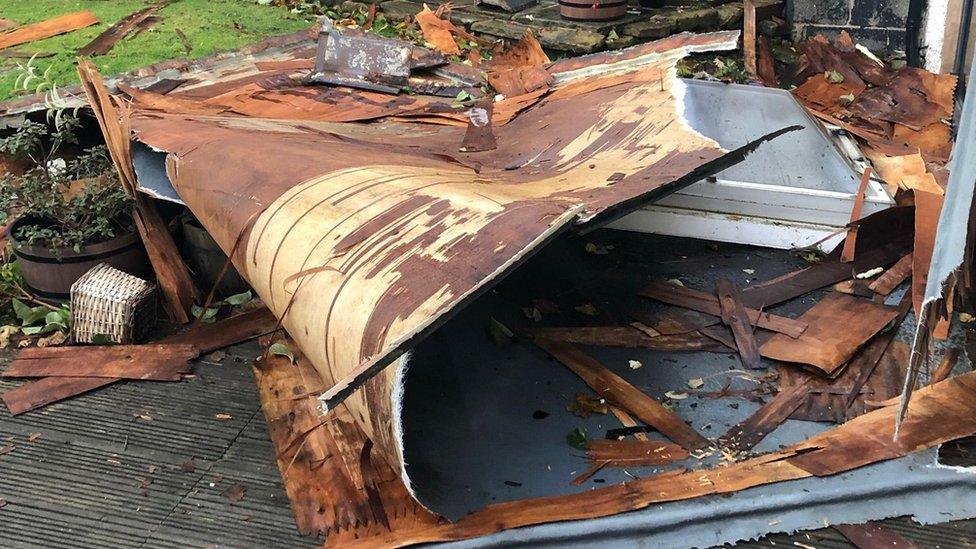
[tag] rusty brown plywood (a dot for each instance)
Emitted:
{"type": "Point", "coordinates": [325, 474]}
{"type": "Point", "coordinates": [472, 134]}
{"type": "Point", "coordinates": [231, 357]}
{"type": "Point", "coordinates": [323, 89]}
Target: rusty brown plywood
{"type": "Point", "coordinates": [159, 362]}
{"type": "Point", "coordinates": [48, 28]}
{"type": "Point", "coordinates": [838, 325]}
{"type": "Point", "coordinates": [365, 250]}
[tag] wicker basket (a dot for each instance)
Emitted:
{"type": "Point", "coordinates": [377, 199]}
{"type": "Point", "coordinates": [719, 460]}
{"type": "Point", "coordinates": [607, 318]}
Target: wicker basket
{"type": "Point", "coordinates": [110, 303]}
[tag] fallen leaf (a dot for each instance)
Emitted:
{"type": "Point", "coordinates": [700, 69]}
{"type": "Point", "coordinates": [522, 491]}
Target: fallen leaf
{"type": "Point", "coordinates": [144, 482]}
{"type": "Point", "coordinates": [676, 396]}
{"type": "Point", "coordinates": [834, 77]}
{"type": "Point", "coordinates": [966, 318]}
{"type": "Point", "coordinates": [188, 466]}
{"type": "Point", "coordinates": [282, 349]}
{"type": "Point", "coordinates": [577, 439]}
{"type": "Point", "coordinates": [7, 449]}
{"type": "Point", "coordinates": [695, 382]}
{"type": "Point", "coordinates": [532, 313]}
{"type": "Point", "coordinates": [597, 249]}
{"type": "Point", "coordinates": [587, 309]}
{"type": "Point", "coordinates": [53, 340]}
{"type": "Point", "coordinates": [584, 406]}
{"type": "Point", "coordinates": [498, 332]}
{"type": "Point", "coordinates": [113, 461]}
{"type": "Point", "coordinates": [153, 469]}
{"type": "Point", "coordinates": [634, 364]}
{"type": "Point", "coordinates": [217, 356]}
{"type": "Point", "coordinates": [749, 271]}
{"type": "Point", "coordinates": [33, 436]}
{"type": "Point", "coordinates": [5, 333]}
{"type": "Point", "coordinates": [144, 417]}
{"type": "Point", "coordinates": [223, 417]}
{"type": "Point", "coordinates": [3, 503]}
{"type": "Point", "coordinates": [676, 282]}
{"type": "Point", "coordinates": [235, 492]}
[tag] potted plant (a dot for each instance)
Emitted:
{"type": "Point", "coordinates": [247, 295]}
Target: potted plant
{"type": "Point", "coordinates": [69, 210]}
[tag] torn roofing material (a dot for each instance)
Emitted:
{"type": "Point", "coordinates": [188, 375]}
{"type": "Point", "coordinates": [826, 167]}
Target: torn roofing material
{"type": "Point", "coordinates": [365, 238]}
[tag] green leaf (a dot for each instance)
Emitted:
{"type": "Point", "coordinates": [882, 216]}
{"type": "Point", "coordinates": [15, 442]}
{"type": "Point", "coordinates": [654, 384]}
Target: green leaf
{"type": "Point", "coordinates": [463, 96]}
{"type": "Point", "coordinates": [239, 299]}
{"type": "Point", "coordinates": [282, 349]}
{"type": "Point", "coordinates": [577, 439]}
{"type": "Point", "coordinates": [205, 316]}
{"type": "Point", "coordinates": [102, 339]}
{"type": "Point", "coordinates": [834, 77]}
{"type": "Point", "coordinates": [29, 315]}
{"type": "Point", "coordinates": [31, 330]}
{"type": "Point", "coordinates": [54, 317]}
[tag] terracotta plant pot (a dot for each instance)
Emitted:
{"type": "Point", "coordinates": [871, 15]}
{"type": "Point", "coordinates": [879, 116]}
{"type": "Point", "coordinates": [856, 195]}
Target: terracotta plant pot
{"type": "Point", "coordinates": [50, 276]}
{"type": "Point", "coordinates": [592, 10]}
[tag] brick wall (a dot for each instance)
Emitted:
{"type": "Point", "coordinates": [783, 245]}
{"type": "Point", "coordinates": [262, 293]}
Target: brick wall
{"type": "Point", "coordinates": [878, 24]}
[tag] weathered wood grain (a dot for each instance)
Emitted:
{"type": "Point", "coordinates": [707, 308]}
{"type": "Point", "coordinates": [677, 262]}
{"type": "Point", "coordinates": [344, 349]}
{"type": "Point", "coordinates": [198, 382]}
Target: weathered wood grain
{"type": "Point", "coordinates": [158, 362]}
{"type": "Point", "coordinates": [48, 28]}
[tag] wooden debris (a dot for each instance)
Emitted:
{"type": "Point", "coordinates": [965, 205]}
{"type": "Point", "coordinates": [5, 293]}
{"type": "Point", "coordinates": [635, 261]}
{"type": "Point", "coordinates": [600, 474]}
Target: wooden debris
{"type": "Point", "coordinates": [48, 28]}
{"type": "Point", "coordinates": [675, 320]}
{"type": "Point", "coordinates": [749, 36]}
{"type": "Point", "coordinates": [945, 366]}
{"type": "Point", "coordinates": [709, 304]}
{"type": "Point", "coordinates": [903, 173]}
{"type": "Point", "coordinates": [103, 43]}
{"type": "Point", "coordinates": [624, 395]}
{"type": "Point", "coordinates": [847, 255]}
{"type": "Point", "coordinates": [893, 277]}
{"type": "Point", "coordinates": [321, 458]}
{"type": "Point", "coordinates": [520, 69]}
{"type": "Point", "coordinates": [37, 394]}
{"type": "Point", "coordinates": [634, 453]}
{"type": "Point", "coordinates": [838, 325]}
{"type": "Point", "coordinates": [588, 474]}
{"type": "Point", "coordinates": [872, 535]}
{"type": "Point", "coordinates": [172, 274]}
{"type": "Point", "coordinates": [627, 421]}
{"type": "Point", "coordinates": [204, 339]}
{"type": "Point", "coordinates": [735, 317]}
{"type": "Point", "coordinates": [625, 336]}
{"type": "Point", "coordinates": [939, 413]}
{"type": "Point", "coordinates": [158, 362]}
{"type": "Point", "coordinates": [748, 433]}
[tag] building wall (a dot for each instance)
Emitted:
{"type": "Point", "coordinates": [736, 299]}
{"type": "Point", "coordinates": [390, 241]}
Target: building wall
{"type": "Point", "coordinates": [877, 24]}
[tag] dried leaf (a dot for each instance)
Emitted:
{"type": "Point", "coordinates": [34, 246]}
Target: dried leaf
{"type": "Point", "coordinates": [145, 482]}
{"type": "Point", "coordinates": [634, 364]}
{"type": "Point", "coordinates": [188, 466]}
{"type": "Point", "coordinates": [7, 449]}
{"type": "Point", "coordinates": [675, 395]}
{"type": "Point", "coordinates": [834, 77]}
{"type": "Point", "coordinates": [33, 436]}
{"type": "Point", "coordinates": [235, 492]}
{"type": "Point", "coordinates": [584, 406]}
{"type": "Point", "coordinates": [223, 417]}
{"type": "Point", "coordinates": [696, 383]}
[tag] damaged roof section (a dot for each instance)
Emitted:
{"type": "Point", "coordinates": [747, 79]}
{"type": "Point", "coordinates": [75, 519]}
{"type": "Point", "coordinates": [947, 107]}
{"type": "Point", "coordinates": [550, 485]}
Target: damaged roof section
{"type": "Point", "coordinates": [363, 238]}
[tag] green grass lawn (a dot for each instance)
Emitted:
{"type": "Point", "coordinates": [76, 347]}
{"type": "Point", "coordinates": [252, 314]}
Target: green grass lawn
{"type": "Point", "coordinates": [209, 25]}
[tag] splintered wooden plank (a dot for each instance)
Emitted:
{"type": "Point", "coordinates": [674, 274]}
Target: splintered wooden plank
{"type": "Point", "coordinates": [709, 304]}
{"type": "Point", "coordinates": [838, 326]}
{"type": "Point", "coordinates": [49, 390]}
{"type": "Point", "coordinates": [625, 336]}
{"type": "Point", "coordinates": [330, 484]}
{"type": "Point", "coordinates": [207, 338]}
{"type": "Point", "coordinates": [850, 243]}
{"type": "Point", "coordinates": [103, 43]}
{"type": "Point", "coordinates": [634, 453]}
{"type": "Point", "coordinates": [890, 279]}
{"type": "Point", "coordinates": [938, 413]}
{"type": "Point", "coordinates": [675, 320]}
{"type": "Point", "coordinates": [734, 316]}
{"type": "Point", "coordinates": [159, 362]}
{"type": "Point", "coordinates": [767, 418]}
{"type": "Point", "coordinates": [621, 393]}
{"type": "Point", "coordinates": [48, 28]}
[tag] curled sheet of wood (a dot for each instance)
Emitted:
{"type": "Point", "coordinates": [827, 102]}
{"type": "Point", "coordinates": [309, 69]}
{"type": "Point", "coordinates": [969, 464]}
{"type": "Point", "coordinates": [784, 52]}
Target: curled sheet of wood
{"type": "Point", "coordinates": [365, 238]}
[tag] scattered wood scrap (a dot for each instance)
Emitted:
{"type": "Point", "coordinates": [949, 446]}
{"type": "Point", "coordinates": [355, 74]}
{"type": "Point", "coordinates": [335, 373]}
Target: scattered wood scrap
{"type": "Point", "coordinates": [624, 395]}
{"type": "Point", "coordinates": [837, 326]}
{"type": "Point", "coordinates": [48, 28]}
{"type": "Point", "coordinates": [750, 432]}
{"type": "Point", "coordinates": [707, 303]}
{"type": "Point", "coordinates": [939, 413]}
{"type": "Point", "coordinates": [634, 453]}
{"type": "Point", "coordinates": [734, 315]}
{"type": "Point", "coordinates": [157, 362]}
{"type": "Point", "coordinates": [203, 339]}
{"type": "Point", "coordinates": [103, 43]}
{"type": "Point", "coordinates": [625, 336]}
{"type": "Point", "coordinates": [893, 277]}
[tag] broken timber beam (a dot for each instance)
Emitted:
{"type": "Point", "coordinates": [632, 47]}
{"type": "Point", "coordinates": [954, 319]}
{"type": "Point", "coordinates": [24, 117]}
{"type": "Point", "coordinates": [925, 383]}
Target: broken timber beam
{"type": "Point", "coordinates": [621, 393]}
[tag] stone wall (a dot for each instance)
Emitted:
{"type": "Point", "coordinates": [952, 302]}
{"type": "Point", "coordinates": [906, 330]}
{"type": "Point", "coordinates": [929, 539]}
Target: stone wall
{"type": "Point", "coordinates": [877, 24]}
